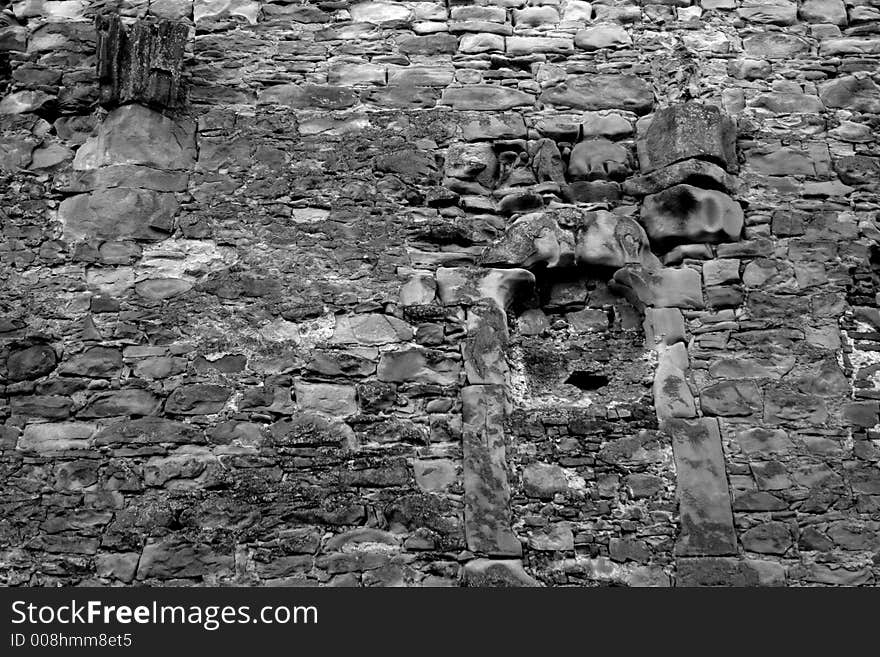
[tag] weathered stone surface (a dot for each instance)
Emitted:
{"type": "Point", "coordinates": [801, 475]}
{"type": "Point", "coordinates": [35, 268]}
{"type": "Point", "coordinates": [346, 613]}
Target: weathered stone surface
{"type": "Point", "coordinates": [664, 326]}
{"type": "Point", "coordinates": [56, 437]}
{"type": "Point", "coordinates": [597, 37]}
{"type": "Point", "coordinates": [197, 399]}
{"type": "Point", "coordinates": [644, 485]}
{"type": "Point", "coordinates": [118, 213]}
{"type": "Point", "coordinates": [418, 365]}
{"type": "Point", "coordinates": [854, 92]}
{"type": "Point", "coordinates": [137, 135]}
{"type": "Point", "coordinates": [775, 45]}
{"type": "Point", "coordinates": [772, 537]}
{"type": "Point", "coordinates": [121, 402]}
{"type": "Point", "coordinates": [685, 213]}
{"type": "Point", "coordinates": [307, 429]}
{"type": "Point", "coordinates": [148, 431]}
{"type": "Point", "coordinates": [832, 12]}
{"type": "Point", "coordinates": [479, 125]}
{"type": "Point", "coordinates": [788, 103]}
{"type": "Point", "coordinates": [371, 329]}
{"type": "Point", "coordinates": [713, 571]}
{"type": "Point", "coordinates": [306, 96]}
{"type": "Point", "coordinates": [543, 480]}
{"type": "Point", "coordinates": [839, 576]}
{"type": "Point", "coordinates": [484, 348]}
{"type": "Point", "coordinates": [783, 407]}
{"type": "Point", "coordinates": [706, 517]}
{"type": "Point", "coordinates": [24, 101]}
{"type": "Point", "coordinates": [568, 237]}
{"type": "Point", "coordinates": [689, 130]}
{"type": "Point", "coordinates": [497, 573]}
{"type": "Point", "coordinates": [162, 288]}
{"type": "Point", "coordinates": [782, 162]}
{"type": "Point", "coordinates": [176, 558]}
{"type": "Point", "coordinates": [288, 271]}
{"type": "Point", "coordinates": [731, 398]}
{"type": "Point", "coordinates": [435, 475]}
{"type": "Point", "coordinates": [547, 162]}
{"type": "Point", "coordinates": [485, 97]}
{"type": "Point", "coordinates": [380, 13]}
{"type": "Point", "coordinates": [30, 362]}
{"type": "Point", "coordinates": [773, 12]}
{"type": "Point", "coordinates": [518, 46]}
{"type": "Point", "coordinates": [96, 362]}
{"type": "Point", "coordinates": [858, 169]}
{"type": "Point", "coordinates": [693, 172]}
{"type": "Point", "coordinates": [459, 285]}
{"type": "Point", "coordinates": [43, 406]}
{"type": "Point", "coordinates": [764, 441]}
{"type": "Point", "coordinates": [329, 398]}
{"type": "Point", "coordinates": [601, 91]}
{"type": "Point", "coordinates": [598, 159]}
{"type": "Point", "coordinates": [672, 395]}
{"type": "Point", "coordinates": [486, 490]}
{"type": "Point", "coordinates": [861, 414]}
{"type": "Point", "coordinates": [430, 44]}
{"type": "Point", "coordinates": [661, 288]}
{"type": "Point", "coordinates": [141, 64]}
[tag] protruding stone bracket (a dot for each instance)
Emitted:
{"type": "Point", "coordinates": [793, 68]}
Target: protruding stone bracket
{"type": "Point", "coordinates": [141, 64]}
{"type": "Point", "coordinates": [571, 236]}
{"type": "Point", "coordinates": [685, 131]}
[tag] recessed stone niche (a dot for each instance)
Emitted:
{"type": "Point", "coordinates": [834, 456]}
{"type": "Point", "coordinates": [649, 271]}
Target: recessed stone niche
{"type": "Point", "coordinates": [577, 344]}
{"type": "Point", "coordinates": [579, 341]}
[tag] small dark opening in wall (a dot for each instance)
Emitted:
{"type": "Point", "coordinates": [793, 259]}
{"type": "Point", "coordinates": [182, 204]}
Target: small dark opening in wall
{"type": "Point", "coordinates": [587, 380]}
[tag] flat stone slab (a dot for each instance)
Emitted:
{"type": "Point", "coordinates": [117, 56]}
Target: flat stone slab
{"type": "Point", "coordinates": [486, 489]}
{"type": "Point", "coordinates": [118, 213]}
{"type": "Point", "coordinates": [485, 97]}
{"type": "Point", "coordinates": [688, 171]}
{"type": "Point", "coordinates": [688, 214]}
{"type": "Point", "coordinates": [729, 571]}
{"type": "Point", "coordinates": [601, 91]}
{"type": "Point", "coordinates": [137, 135]}
{"type": "Point", "coordinates": [485, 344]}
{"type": "Point", "coordinates": [853, 93]}
{"type": "Point", "coordinates": [661, 288]}
{"type": "Point", "coordinates": [704, 499]}
{"type": "Point", "coordinates": [502, 573]}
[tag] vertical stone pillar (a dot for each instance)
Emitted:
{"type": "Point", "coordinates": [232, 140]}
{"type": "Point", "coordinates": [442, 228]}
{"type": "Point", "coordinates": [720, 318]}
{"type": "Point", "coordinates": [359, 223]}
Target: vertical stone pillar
{"type": "Point", "coordinates": [141, 65]}
{"type": "Point", "coordinates": [487, 514]}
{"type": "Point", "coordinates": [486, 490]}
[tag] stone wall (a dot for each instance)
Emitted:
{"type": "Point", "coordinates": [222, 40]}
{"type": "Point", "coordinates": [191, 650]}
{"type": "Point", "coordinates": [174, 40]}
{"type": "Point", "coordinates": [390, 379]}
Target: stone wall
{"type": "Point", "coordinates": [509, 292]}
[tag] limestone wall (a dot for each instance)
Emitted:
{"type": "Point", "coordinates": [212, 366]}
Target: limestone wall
{"type": "Point", "coordinates": [509, 292]}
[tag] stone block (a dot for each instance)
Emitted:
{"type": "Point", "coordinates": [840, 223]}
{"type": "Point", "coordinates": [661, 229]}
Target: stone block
{"type": "Point", "coordinates": [486, 489]}
{"type": "Point", "coordinates": [705, 510]}
{"type": "Point", "coordinates": [601, 91]}
{"type": "Point", "coordinates": [689, 130]}
{"type": "Point", "coordinates": [688, 214]}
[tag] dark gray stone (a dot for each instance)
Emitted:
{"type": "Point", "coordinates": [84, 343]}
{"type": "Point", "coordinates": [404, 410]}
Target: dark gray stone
{"type": "Point", "coordinates": [141, 64]}
{"type": "Point", "coordinates": [690, 130]}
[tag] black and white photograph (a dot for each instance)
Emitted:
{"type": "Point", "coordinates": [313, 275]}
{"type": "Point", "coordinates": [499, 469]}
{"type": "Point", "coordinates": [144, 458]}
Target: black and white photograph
{"type": "Point", "coordinates": [521, 294]}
